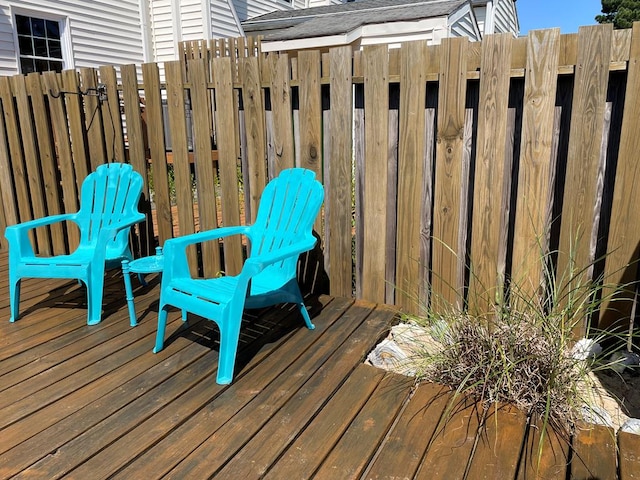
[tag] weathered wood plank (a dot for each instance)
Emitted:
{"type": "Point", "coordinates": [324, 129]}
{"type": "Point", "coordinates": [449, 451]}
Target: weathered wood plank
{"type": "Point", "coordinates": [32, 161]}
{"type": "Point", "coordinates": [75, 114]}
{"type": "Point", "coordinates": [256, 152]}
{"type": "Point", "coordinates": [48, 164]}
{"type": "Point", "coordinates": [448, 175]}
{"type": "Point", "coordinates": [411, 177]}
{"type": "Point", "coordinates": [491, 187]}
{"type": "Point", "coordinates": [16, 155]}
{"type": "Point", "coordinates": [376, 99]}
{"type": "Point", "coordinates": [157, 146]}
{"type": "Point", "coordinates": [575, 252]}
{"type": "Point", "coordinates": [339, 194]}
{"type": "Point", "coordinates": [204, 168]}
{"type": "Point", "coordinates": [94, 127]}
{"type": "Point", "coordinates": [111, 116]}
{"type": "Point", "coordinates": [624, 230]}
{"type": "Point", "coordinates": [310, 111]}
{"type": "Point", "coordinates": [227, 161]}
{"type": "Point", "coordinates": [594, 453]}
{"type": "Point", "coordinates": [136, 152]}
{"type": "Point", "coordinates": [402, 451]}
{"type": "Point", "coordinates": [52, 87]}
{"type": "Point", "coordinates": [545, 452]}
{"type": "Point", "coordinates": [282, 149]}
{"type": "Point", "coordinates": [265, 447]}
{"type": "Point", "coordinates": [221, 404]}
{"type": "Point", "coordinates": [357, 445]}
{"type": "Point", "coordinates": [497, 452]}
{"type": "Point", "coordinates": [180, 150]}
{"type": "Point", "coordinates": [533, 204]}
{"type": "Point", "coordinates": [451, 447]}
{"type": "Point", "coordinates": [628, 455]}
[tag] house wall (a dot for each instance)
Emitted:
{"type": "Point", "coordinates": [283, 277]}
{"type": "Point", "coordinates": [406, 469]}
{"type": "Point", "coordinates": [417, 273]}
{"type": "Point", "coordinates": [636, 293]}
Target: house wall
{"type": "Point", "coordinates": [505, 17]}
{"type": "Point", "coordinates": [98, 32]}
{"type": "Point", "coordinates": [463, 24]}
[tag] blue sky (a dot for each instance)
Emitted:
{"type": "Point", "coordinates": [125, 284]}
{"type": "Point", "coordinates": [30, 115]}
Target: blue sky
{"type": "Point", "coordinates": [566, 14]}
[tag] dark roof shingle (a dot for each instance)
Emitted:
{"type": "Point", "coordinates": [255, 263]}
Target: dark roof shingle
{"type": "Point", "coordinates": [333, 19]}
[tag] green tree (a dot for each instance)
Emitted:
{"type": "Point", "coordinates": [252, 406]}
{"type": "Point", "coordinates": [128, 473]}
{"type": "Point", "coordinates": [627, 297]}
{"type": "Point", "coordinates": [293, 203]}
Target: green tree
{"type": "Point", "coordinates": [622, 13]}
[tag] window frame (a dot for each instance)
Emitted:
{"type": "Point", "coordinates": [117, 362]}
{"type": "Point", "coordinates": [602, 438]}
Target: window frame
{"type": "Point", "coordinates": [63, 25]}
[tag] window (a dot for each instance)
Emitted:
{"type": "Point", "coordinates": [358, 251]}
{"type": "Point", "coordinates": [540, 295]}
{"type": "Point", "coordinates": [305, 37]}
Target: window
{"type": "Point", "coordinates": [39, 44]}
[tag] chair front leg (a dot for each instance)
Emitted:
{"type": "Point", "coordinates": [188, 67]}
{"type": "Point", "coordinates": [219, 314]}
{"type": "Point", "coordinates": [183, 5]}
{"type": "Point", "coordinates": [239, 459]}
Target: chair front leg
{"type": "Point", "coordinates": [162, 326]}
{"type": "Point", "coordinates": [229, 338]}
{"type": "Point", "coordinates": [95, 291]}
{"type": "Point", "coordinates": [14, 298]}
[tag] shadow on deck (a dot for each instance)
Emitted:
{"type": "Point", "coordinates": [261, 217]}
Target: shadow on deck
{"type": "Point", "coordinates": [95, 402]}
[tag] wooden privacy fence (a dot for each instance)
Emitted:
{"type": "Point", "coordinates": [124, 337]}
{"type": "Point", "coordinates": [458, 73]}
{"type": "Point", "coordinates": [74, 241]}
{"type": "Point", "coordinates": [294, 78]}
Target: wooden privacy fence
{"type": "Point", "coordinates": [448, 169]}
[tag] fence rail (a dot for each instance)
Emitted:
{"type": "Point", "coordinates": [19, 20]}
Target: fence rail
{"type": "Point", "coordinates": [449, 169]}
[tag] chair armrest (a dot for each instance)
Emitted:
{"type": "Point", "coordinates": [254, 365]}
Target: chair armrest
{"type": "Point", "coordinates": [175, 249]}
{"type": "Point", "coordinates": [255, 265]}
{"type": "Point", "coordinates": [109, 232]}
{"type": "Point", "coordinates": [18, 235]}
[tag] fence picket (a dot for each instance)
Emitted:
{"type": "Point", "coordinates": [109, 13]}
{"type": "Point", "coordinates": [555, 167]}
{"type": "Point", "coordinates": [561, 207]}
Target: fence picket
{"type": "Point", "coordinates": [448, 180]}
{"type": "Point", "coordinates": [228, 161]}
{"type": "Point", "coordinates": [339, 212]}
{"type": "Point", "coordinates": [204, 168]}
{"type": "Point", "coordinates": [256, 153]}
{"type": "Point", "coordinates": [31, 159]}
{"type": "Point", "coordinates": [180, 152]}
{"type": "Point", "coordinates": [534, 179]}
{"type": "Point", "coordinates": [576, 249]}
{"type": "Point", "coordinates": [376, 105]}
{"type": "Point", "coordinates": [46, 161]}
{"type": "Point", "coordinates": [492, 184]}
{"type": "Point", "coordinates": [621, 262]}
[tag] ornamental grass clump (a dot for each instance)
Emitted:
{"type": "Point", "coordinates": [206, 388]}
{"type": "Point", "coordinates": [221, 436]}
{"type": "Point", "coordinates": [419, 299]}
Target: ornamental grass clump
{"type": "Point", "coordinates": [514, 359]}
{"type": "Point", "coordinates": [523, 352]}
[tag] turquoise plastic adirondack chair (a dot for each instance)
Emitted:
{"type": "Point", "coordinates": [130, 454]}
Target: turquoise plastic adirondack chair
{"type": "Point", "coordinates": [108, 209]}
{"type": "Point", "coordinates": [283, 230]}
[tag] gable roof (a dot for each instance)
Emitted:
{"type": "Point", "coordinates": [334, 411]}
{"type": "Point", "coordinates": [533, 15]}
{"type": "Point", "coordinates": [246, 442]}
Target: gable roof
{"type": "Point", "coordinates": [339, 19]}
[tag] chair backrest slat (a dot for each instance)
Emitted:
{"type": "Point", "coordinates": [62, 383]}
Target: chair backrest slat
{"type": "Point", "coordinates": [288, 208]}
{"type": "Point", "coordinates": [109, 195]}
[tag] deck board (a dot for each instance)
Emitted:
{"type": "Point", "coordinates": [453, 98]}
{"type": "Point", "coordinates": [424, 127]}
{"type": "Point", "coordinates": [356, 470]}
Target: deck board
{"type": "Point", "coordinates": [79, 401]}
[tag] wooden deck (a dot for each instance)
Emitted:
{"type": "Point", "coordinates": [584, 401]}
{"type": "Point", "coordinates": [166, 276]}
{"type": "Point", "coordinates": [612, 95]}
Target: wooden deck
{"type": "Point", "coordinates": [95, 402]}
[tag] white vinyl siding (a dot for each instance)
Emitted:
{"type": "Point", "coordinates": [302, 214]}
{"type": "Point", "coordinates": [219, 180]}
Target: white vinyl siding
{"type": "Point", "coordinates": [164, 45]}
{"type": "Point", "coordinates": [463, 24]}
{"type": "Point", "coordinates": [100, 32]}
{"type": "Point", "coordinates": [223, 23]}
{"type": "Point", "coordinates": [504, 19]}
{"type": "Point", "coordinates": [191, 20]}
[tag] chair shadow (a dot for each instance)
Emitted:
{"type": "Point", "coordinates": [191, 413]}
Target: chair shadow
{"type": "Point", "coordinates": [260, 328]}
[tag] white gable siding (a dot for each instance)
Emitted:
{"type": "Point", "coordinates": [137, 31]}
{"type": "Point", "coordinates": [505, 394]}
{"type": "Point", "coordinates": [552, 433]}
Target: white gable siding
{"type": "Point", "coordinates": [505, 17]}
{"type": "Point", "coordinates": [463, 24]}
{"type": "Point", "coordinates": [100, 32]}
{"type": "Point", "coordinates": [223, 21]}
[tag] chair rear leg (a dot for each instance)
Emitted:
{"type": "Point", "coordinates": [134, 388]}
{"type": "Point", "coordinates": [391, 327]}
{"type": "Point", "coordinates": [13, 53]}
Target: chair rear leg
{"type": "Point", "coordinates": [305, 315]}
{"type": "Point", "coordinates": [295, 290]}
{"type": "Point", "coordinates": [14, 298]}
